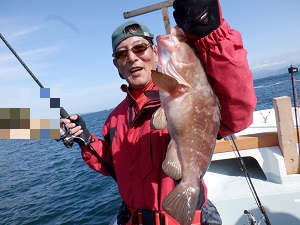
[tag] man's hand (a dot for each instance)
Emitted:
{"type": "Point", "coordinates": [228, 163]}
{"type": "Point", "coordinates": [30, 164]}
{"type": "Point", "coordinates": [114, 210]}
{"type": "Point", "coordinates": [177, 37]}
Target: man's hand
{"type": "Point", "coordinates": [77, 129]}
{"type": "Point", "coordinates": [70, 123]}
{"type": "Point", "coordinates": [197, 17]}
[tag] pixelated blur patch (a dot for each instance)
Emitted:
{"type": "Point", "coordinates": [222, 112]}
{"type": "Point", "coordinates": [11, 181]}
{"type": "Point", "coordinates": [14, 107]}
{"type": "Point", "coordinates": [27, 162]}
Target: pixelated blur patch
{"type": "Point", "coordinates": [24, 113]}
{"type": "Point", "coordinates": [44, 133]}
{"type": "Point", "coordinates": [29, 113]}
{"type": "Point", "coordinates": [54, 103]}
{"type": "Point", "coordinates": [34, 133]}
{"type": "Point", "coordinates": [45, 92]}
{"type": "Point", "coordinates": [4, 113]}
{"type": "Point", "coordinates": [15, 113]}
{"type": "Point", "coordinates": [5, 133]}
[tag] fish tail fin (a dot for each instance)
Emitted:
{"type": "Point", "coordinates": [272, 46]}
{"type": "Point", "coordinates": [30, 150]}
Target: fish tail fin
{"type": "Point", "coordinates": [181, 203]}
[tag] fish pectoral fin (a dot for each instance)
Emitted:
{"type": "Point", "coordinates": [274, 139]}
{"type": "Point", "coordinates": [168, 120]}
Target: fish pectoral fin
{"type": "Point", "coordinates": [159, 119]}
{"type": "Point", "coordinates": [152, 94]}
{"type": "Point", "coordinates": [181, 203]}
{"type": "Point", "coordinates": [168, 83]}
{"type": "Point", "coordinates": [171, 165]}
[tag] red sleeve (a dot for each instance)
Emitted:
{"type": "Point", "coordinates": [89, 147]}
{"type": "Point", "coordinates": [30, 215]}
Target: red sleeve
{"type": "Point", "coordinates": [103, 150]}
{"type": "Point", "coordinates": [227, 68]}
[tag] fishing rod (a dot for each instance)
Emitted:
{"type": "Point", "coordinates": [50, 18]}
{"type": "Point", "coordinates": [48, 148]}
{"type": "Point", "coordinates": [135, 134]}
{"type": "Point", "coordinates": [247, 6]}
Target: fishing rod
{"type": "Point", "coordinates": [65, 132]}
{"type": "Point", "coordinates": [21, 61]}
{"type": "Point", "coordinates": [293, 70]}
{"type": "Point", "coordinates": [63, 112]}
{"type": "Point", "coordinates": [243, 167]}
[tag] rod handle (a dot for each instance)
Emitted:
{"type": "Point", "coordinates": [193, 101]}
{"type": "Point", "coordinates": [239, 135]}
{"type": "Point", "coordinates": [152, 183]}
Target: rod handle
{"type": "Point", "coordinates": [64, 113]}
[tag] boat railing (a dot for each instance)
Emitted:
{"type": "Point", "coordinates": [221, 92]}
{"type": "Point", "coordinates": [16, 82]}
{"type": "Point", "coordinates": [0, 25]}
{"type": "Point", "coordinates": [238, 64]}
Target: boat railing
{"type": "Point", "coordinates": [284, 136]}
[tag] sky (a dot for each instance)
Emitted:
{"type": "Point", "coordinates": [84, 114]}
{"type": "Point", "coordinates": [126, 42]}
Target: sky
{"type": "Point", "coordinates": [67, 43]}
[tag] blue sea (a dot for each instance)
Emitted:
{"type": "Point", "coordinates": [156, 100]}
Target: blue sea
{"type": "Point", "coordinates": [43, 182]}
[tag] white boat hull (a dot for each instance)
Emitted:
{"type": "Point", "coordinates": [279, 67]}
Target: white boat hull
{"type": "Point", "coordinates": [278, 192]}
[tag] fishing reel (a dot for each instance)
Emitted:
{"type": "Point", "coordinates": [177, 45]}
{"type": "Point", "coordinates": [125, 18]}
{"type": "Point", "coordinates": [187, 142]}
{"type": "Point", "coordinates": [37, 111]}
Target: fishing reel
{"type": "Point", "coordinates": [68, 137]}
{"type": "Point", "coordinates": [251, 218]}
{"type": "Point", "coordinates": [66, 134]}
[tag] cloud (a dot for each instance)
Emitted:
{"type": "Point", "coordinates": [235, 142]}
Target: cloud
{"type": "Point", "coordinates": [276, 62]}
{"type": "Point", "coordinates": [26, 31]}
{"type": "Point", "coordinates": [14, 75]}
{"type": "Point", "coordinates": [34, 53]}
{"type": "Point", "coordinates": [269, 64]}
{"type": "Point", "coordinates": [40, 52]}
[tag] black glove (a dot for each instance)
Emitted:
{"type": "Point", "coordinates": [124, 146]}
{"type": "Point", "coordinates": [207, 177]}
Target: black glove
{"type": "Point", "coordinates": [82, 139]}
{"type": "Point", "coordinates": [197, 17]}
{"type": "Point", "coordinates": [65, 132]}
{"type": "Point", "coordinates": [124, 214]}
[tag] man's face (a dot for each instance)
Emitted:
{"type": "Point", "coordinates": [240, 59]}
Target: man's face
{"type": "Point", "coordinates": [136, 67]}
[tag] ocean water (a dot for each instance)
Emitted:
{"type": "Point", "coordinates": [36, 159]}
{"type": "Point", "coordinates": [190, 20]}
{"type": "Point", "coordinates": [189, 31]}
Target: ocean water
{"type": "Point", "coordinates": [275, 86]}
{"type": "Point", "coordinates": [43, 182]}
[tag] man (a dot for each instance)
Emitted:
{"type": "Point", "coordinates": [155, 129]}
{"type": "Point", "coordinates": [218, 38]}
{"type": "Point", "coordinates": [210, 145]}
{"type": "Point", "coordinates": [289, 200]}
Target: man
{"type": "Point", "coordinates": [131, 150]}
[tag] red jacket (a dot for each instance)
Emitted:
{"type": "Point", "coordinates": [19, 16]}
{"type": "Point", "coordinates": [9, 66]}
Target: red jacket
{"type": "Point", "coordinates": [136, 152]}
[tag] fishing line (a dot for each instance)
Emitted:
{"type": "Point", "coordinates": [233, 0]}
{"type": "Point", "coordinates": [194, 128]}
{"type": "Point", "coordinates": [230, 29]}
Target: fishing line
{"type": "Point", "coordinates": [248, 179]}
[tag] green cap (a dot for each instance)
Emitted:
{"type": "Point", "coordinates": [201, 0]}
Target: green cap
{"type": "Point", "coordinates": [120, 34]}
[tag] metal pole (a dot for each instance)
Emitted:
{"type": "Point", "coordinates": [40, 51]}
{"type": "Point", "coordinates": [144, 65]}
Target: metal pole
{"type": "Point", "coordinates": [163, 6]}
{"type": "Point", "coordinates": [148, 9]}
{"type": "Point", "coordinates": [166, 19]}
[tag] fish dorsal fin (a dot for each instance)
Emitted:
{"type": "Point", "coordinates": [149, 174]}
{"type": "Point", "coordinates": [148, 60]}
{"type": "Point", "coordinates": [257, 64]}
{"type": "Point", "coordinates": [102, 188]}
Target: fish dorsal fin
{"type": "Point", "coordinates": [152, 94]}
{"type": "Point", "coordinates": [159, 119]}
{"type": "Point", "coordinates": [168, 83]}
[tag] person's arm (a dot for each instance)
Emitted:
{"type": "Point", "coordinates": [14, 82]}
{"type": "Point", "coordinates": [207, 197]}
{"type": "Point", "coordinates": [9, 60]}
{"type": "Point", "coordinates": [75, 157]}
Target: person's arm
{"type": "Point", "coordinates": [227, 68]}
{"type": "Point", "coordinates": [95, 152]}
{"type": "Point", "coordinates": [225, 60]}
{"type": "Point", "coordinates": [97, 155]}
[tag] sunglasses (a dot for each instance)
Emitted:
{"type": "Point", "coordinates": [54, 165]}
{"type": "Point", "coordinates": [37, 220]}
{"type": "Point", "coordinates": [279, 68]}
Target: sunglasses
{"type": "Point", "coordinates": [140, 48]}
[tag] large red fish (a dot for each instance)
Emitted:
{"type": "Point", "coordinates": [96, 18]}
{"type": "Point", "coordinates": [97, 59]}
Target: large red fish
{"type": "Point", "coordinates": [190, 109]}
